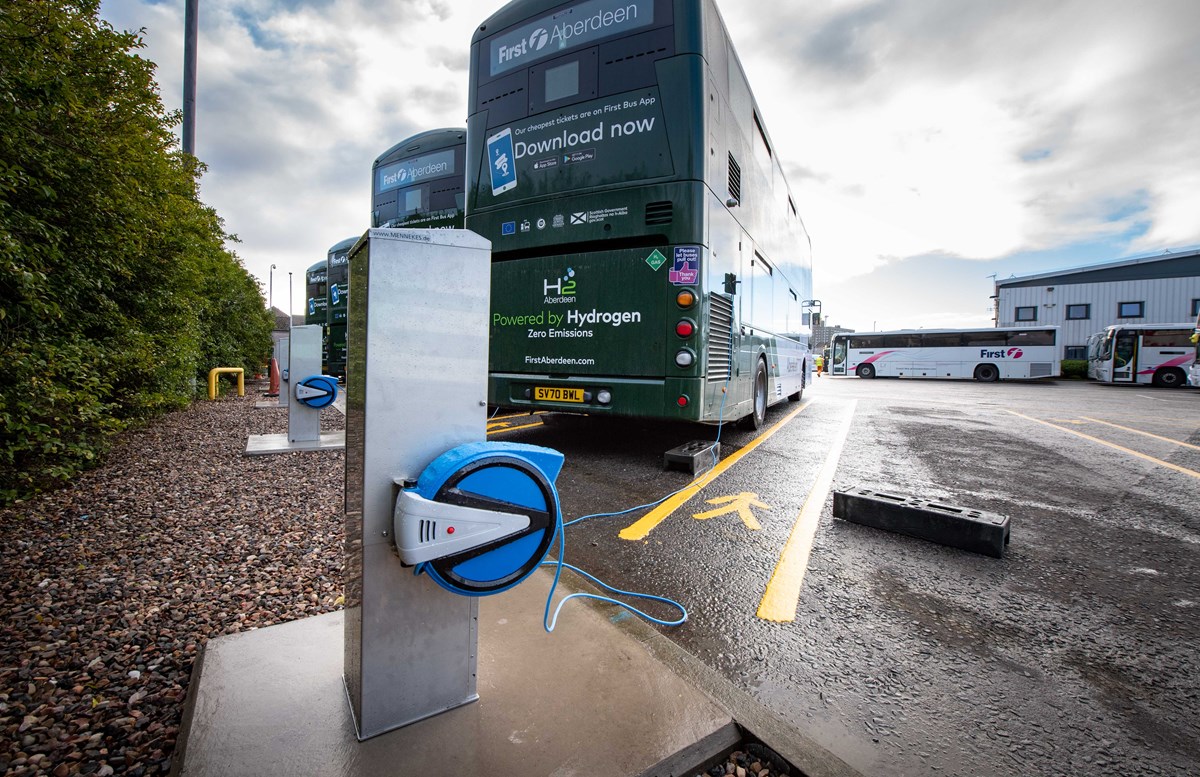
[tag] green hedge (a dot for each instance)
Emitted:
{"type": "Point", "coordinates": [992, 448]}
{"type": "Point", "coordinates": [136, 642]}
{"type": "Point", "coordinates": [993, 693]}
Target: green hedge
{"type": "Point", "coordinates": [117, 291]}
{"type": "Point", "coordinates": [1074, 368]}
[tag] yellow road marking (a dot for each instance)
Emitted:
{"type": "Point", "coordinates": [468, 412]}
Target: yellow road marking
{"type": "Point", "coordinates": [1114, 446]}
{"type": "Point", "coordinates": [513, 428]}
{"type": "Point", "coordinates": [783, 590]}
{"type": "Point", "coordinates": [1139, 431]}
{"type": "Point", "coordinates": [646, 524]}
{"type": "Point", "coordinates": [740, 504]}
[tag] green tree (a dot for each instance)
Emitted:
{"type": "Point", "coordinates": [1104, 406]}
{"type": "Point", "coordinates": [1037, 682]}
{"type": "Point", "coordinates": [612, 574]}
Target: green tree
{"type": "Point", "coordinates": [116, 290]}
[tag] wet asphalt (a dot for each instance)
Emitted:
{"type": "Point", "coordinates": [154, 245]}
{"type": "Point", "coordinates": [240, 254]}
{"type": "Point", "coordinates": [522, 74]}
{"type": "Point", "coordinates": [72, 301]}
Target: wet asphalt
{"type": "Point", "coordinates": [1078, 653]}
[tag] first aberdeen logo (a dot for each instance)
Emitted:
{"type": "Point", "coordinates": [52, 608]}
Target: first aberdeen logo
{"type": "Point", "coordinates": [563, 34]}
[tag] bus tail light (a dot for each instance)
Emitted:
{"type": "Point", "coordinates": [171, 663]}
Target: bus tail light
{"type": "Point", "coordinates": [604, 396]}
{"type": "Point", "coordinates": [685, 327]}
{"type": "Point", "coordinates": [683, 400]}
{"type": "Point", "coordinates": [685, 298]}
{"type": "Point", "coordinates": [685, 358]}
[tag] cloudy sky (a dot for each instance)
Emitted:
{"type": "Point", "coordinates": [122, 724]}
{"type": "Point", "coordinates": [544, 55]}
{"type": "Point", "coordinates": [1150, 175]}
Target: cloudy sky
{"type": "Point", "coordinates": [929, 143]}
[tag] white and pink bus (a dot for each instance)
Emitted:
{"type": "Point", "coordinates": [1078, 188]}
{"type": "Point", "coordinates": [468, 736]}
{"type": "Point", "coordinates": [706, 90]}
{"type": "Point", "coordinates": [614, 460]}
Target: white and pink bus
{"type": "Point", "coordinates": [985, 355]}
{"type": "Point", "coordinates": [1160, 354]}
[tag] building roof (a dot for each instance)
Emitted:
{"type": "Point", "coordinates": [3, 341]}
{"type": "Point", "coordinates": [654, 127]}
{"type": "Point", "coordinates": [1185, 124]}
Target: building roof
{"type": "Point", "coordinates": [281, 319]}
{"type": "Point", "coordinates": [1184, 264]}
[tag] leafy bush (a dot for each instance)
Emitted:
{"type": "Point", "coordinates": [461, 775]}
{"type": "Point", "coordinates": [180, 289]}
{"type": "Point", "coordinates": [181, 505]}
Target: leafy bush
{"type": "Point", "coordinates": [1074, 368]}
{"type": "Point", "coordinates": [117, 291]}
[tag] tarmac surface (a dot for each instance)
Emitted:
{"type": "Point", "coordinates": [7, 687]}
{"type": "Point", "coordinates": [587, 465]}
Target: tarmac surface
{"type": "Point", "coordinates": [1073, 655]}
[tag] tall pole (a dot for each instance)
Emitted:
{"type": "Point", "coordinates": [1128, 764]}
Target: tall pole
{"type": "Point", "coordinates": [289, 302]}
{"type": "Point", "coordinates": [271, 289]}
{"type": "Point", "coordinates": [189, 77]}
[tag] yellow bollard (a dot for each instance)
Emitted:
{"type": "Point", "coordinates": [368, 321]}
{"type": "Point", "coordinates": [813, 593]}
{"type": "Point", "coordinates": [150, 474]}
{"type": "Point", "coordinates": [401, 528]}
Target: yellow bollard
{"type": "Point", "coordinates": [212, 380]}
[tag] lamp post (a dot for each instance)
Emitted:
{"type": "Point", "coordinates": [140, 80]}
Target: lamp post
{"type": "Point", "coordinates": [271, 289]}
{"type": "Point", "coordinates": [191, 23]}
{"type": "Point", "coordinates": [289, 302]}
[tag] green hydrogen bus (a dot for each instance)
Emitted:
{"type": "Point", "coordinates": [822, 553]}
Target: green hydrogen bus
{"type": "Point", "coordinates": [648, 258]}
{"type": "Point", "coordinates": [338, 298]}
{"type": "Point", "coordinates": [316, 303]}
{"type": "Point", "coordinates": [418, 183]}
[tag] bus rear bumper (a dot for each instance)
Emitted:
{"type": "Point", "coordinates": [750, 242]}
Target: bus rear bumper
{"type": "Point", "coordinates": [605, 395]}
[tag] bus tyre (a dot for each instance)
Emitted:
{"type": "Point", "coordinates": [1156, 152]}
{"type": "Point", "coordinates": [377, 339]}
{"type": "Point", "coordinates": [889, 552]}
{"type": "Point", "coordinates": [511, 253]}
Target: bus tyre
{"type": "Point", "coordinates": [1170, 378]}
{"type": "Point", "coordinates": [758, 413]}
{"type": "Point", "coordinates": [987, 373]}
{"type": "Point", "coordinates": [865, 371]}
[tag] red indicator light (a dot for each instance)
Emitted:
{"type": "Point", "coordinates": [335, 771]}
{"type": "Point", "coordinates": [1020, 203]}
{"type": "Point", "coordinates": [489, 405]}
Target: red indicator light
{"type": "Point", "coordinates": [682, 401]}
{"type": "Point", "coordinates": [449, 529]}
{"type": "Point", "coordinates": [685, 328]}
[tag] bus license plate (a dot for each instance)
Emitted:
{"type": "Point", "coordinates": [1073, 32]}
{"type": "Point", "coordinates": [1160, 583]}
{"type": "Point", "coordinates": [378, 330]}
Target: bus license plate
{"type": "Point", "coordinates": [544, 394]}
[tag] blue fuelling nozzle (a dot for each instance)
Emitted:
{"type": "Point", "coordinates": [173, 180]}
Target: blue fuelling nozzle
{"type": "Point", "coordinates": [316, 391]}
{"type": "Point", "coordinates": [481, 517]}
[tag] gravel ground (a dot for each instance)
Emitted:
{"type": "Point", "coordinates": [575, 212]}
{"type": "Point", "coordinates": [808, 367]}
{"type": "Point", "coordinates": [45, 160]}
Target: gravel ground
{"type": "Point", "coordinates": [110, 588]}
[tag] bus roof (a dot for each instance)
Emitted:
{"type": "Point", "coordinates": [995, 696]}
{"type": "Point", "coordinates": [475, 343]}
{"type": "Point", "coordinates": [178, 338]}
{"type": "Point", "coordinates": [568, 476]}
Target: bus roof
{"type": "Point", "coordinates": [1189, 326]}
{"type": "Point", "coordinates": [318, 266]}
{"type": "Point", "coordinates": [950, 331]}
{"type": "Point", "coordinates": [437, 138]}
{"type": "Point", "coordinates": [345, 245]}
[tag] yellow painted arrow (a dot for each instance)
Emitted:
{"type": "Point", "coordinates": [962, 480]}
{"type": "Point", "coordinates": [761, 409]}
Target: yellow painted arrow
{"type": "Point", "coordinates": [741, 503]}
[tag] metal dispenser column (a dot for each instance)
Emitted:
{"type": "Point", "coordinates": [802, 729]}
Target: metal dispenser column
{"type": "Point", "coordinates": [417, 340]}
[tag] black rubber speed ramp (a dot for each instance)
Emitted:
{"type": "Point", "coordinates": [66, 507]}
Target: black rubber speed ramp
{"type": "Point", "coordinates": [978, 531]}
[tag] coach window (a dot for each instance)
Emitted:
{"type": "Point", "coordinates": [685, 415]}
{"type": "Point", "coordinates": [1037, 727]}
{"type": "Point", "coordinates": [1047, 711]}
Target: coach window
{"type": "Point", "coordinates": [1131, 310]}
{"type": "Point", "coordinates": [1079, 313]}
{"type": "Point", "coordinates": [1027, 313]}
{"type": "Point", "coordinates": [943, 340]}
{"type": "Point", "coordinates": [1196, 307]}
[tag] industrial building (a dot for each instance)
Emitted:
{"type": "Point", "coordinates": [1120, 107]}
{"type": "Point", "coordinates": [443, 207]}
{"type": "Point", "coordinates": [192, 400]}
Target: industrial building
{"type": "Point", "coordinates": [1159, 289]}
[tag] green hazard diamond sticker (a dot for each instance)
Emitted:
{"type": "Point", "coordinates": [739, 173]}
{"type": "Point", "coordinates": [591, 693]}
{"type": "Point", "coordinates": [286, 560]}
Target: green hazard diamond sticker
{"type": "Point", "coordinates": [656, 259]}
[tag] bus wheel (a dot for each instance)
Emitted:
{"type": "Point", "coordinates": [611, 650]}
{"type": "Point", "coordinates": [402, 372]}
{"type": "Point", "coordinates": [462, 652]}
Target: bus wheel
{"type": "Point", "coordinates": [865, 371]}
{"type": "Point", "coordinates": [759, 414]}
{"type": "Point", "coordinates": [1169, 378]}
{"type": "Point", "coordinates": [987, 373]}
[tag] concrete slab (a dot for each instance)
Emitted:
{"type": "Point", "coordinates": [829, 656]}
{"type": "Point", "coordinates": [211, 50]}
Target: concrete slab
{"type": "Point", "coordinates": [266, 404]}
{"type": "Point", "coordinates": [264, 444]}
{"type": "Point", "coordinates": [589, 699]}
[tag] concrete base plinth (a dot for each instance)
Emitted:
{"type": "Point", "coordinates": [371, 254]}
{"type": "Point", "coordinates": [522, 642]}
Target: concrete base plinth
{"type": "Point", "coordinates": [263, 444]}
{"type": "Point", "coordinates": [588, 699]}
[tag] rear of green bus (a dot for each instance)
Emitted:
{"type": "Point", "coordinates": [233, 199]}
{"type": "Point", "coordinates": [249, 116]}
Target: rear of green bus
{"type": "Point", "coordinates": [587, 155]}
{"type": "Point", "coordinates": [337, 306]}
{"type": "Point", "coordinates": [316, 303]}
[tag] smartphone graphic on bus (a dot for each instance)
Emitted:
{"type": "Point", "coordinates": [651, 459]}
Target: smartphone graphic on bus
{"type": "Point", "coordinates": [503, 161]}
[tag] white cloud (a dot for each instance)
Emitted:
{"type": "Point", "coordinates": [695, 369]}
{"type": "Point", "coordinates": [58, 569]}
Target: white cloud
{"type": "Point", "coordinates": [980, 129]}
{"type": "Point", "coordinates": [973, 130]}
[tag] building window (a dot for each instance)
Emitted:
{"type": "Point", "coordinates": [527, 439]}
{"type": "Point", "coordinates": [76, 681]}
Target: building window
{"type": "Point", "coordinates": [1196, 307]}
{"type": "Point", "coordinates": [1075, 352]}
{"type": "Point", "coordinates": [1027, 314]}
{"type": "Point", "coordinates": [1131, 310]}
{"type": "Point", "coordinates": [1079, 312]}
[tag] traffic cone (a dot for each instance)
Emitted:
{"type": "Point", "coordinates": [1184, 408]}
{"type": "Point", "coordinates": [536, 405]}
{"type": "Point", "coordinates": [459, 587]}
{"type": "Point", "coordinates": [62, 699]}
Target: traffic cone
{"type": "Point", "coordinates": [273, 389]}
